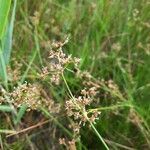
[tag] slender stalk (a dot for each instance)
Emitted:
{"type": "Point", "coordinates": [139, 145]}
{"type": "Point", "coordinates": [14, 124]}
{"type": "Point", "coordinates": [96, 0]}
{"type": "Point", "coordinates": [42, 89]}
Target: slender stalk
{"type": "Point", "coordinates": [100, 137]}
{"type": "Point", "coordinates": [37, 45]}
{"type": "Point", "coordinates": [111, 107]}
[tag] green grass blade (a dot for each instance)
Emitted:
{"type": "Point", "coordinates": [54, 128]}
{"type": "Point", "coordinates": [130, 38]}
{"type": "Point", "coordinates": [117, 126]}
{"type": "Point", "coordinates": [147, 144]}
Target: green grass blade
{"type": "Point", "coordinates": [4, 11]}
{"type": "Point", "coordinates": [29, 67]}
{"type": "Point", "coordinates": [7, 131]}
{"type": "Point", "coordinates": [9, 34]}
{"type": "Point", "coordinates": [21, 113]}
{"type": "Point", "coordinates": [3, 71]}
{"type": "Point", "coordinates": [5, 108]}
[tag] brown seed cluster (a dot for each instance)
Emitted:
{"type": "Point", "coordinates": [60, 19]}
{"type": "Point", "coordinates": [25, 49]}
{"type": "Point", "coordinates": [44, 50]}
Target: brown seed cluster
{"type": "Point", "coordinates": [112, 85]}
{"type": "Point", "coordinates": [35, 18]}
{"type": "Point", "coordinates": [31, 96]}
{"type": "Point", "coordinates": [70, 145]}
{"type": "Point", "coordinates": [58, 62]}
{"type": "Point", "coordinates": [78, 107]}
{"type": "Point", "coordinates": [1, 97]}
{"type": "Point", "coordinates": [28, 95]}
{"type": "Point", "coordinates": [116, 47]}
{"type": "Point", "coordinates": [144, 47]}
{"type": "Point", "coordinates": [83, 74]}
{"type": "Point", "coordinates": [98, 85]}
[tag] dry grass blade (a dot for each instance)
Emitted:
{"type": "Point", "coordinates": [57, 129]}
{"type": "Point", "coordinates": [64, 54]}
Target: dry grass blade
{"type": "Point", "coordinates": [27, 129]}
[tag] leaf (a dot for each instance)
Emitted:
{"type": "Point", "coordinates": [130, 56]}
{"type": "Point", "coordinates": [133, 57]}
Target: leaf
{"type": "Point", "coordinates": [7, 131]}
{"type": "Point", "coordinates": [3, 72]}
{"type": "Point", "coordinates": [9, 35]}
{"type": "Point", "coordinates": [5, 108]}
{"type": "Point", "coordinates": [4, 11]}
{"type": "Point", "coordinates": [20, 114]}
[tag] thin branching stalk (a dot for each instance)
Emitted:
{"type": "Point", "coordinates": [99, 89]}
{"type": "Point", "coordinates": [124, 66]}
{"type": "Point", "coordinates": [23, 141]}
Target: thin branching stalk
{"type": "Point", "coordinates": [85, 114]}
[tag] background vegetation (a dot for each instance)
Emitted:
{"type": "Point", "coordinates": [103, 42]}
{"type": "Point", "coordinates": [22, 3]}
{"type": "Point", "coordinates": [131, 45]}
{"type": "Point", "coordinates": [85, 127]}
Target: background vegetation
{"type": "Point", "coordinates": [112, 39]}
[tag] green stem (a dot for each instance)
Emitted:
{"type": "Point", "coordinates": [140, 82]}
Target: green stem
{"type": "Point", "coordinates": [110, 107]}
{"type": "Point", "coordinates": [37, 45]}
{"type": "Point", "coordinates": [3, 70]}
{"type": "Point", "coordinates": [100, 137]}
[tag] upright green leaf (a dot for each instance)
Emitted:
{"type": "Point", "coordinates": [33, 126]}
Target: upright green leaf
{"type": "Point", "coordinates": [20, 114]}
{"type": "Point", "coordinates": [3, 71]}
{"type": "Point", "coordinates": [4, 11]}
{"type": "Point", "coordinates": [9, 35]}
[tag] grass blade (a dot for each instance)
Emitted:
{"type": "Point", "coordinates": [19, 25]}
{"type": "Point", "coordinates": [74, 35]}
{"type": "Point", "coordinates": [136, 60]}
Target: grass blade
{"type": "Point", "coordinates": [4, 11]}
{"type": "Point", "coordinates": [7, 131]}
{"type": "Point", "coordinates": [3, 72]}
{"type": "Point", "coordinates": [9, 34]}
{"type": "Point", "coordinates": [5, 108]}
{"type": "Point", "coordinates": [20, 114]}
